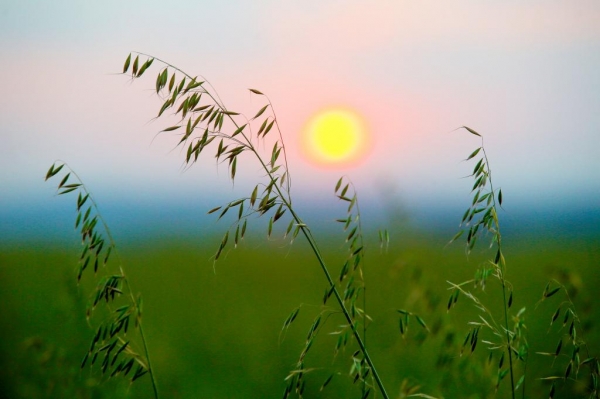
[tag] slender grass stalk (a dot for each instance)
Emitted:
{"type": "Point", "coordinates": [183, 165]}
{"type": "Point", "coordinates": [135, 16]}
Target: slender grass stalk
{"type": "Point", "coordinates": [147, 354]}
{"type": "Point", "coordinates": [340, 301]}
{"type": "Point", "coordinates": [108, 288]}
{"type": "Point", "coordinates": [364, 284]}
{"type": "Point", "coordinates": [502, 265]}
{"type": "Point", "coordinates": [482, 215]}
{"type": "Point", "coordinates": [216, 114]}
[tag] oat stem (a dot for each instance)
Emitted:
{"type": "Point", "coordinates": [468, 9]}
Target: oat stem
{"type": "Point", "coordinates": [287, 202]}
{"type": "Point", "coordinates": [502, 266]}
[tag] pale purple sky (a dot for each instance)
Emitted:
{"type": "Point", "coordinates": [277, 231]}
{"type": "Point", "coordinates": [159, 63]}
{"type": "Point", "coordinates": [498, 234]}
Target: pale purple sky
{"type": "Point", "coordinates": [523, 73]}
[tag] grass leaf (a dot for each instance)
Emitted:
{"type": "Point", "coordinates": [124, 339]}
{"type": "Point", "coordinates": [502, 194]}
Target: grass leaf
{"type": "Point", "coordinates": [127, 62]}
{"type": "Point", "coordinates": [261, 111]}
{"type": "Point", "coordinates": [471, 131]}
{"type": "Point", "coordinates": [170, 129]}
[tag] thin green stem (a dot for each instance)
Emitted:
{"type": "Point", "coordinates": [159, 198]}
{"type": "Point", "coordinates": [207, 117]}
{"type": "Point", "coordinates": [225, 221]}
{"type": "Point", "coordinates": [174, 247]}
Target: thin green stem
{"type": "Point", "coordinates": [150, 368]}
{"type": "Point", "coordinates": [510, 361]}
{"type": "Point", "coordinates": [317, 253]}
{"type": "Point", "coordinates": [502, 267]}
{"type": "Point", "coordinates": [364, 325]}
{"type": "Point", "coordinates": [362, 276]}
{"type": "Point", "coordinates": [305, 231]}
{"type": "Point", "coordinates": [357, 336]}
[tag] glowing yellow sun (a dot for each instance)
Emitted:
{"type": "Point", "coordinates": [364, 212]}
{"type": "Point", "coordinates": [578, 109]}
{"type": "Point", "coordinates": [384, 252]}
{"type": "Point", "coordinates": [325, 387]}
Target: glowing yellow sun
{"type": "Point", "coordinates": [335, 136]}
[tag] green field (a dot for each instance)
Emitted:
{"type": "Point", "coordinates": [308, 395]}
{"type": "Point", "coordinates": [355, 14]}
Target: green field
{"type": "Point", "coordinates": [217, 334]}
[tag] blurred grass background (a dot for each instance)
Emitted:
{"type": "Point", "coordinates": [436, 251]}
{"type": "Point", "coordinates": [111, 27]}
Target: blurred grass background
{"type": "Point", "coordinates": [217, 334]}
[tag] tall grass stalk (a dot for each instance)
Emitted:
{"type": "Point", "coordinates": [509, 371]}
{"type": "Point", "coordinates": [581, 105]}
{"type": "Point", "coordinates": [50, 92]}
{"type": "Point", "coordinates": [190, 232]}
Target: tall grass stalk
{"type": "Point", "coordinates": [500, 262]}
{"type": "Point", "coordinates": [201, 110]}
{"type": "Point", "coordinates": [186, 94]}
{"type": "Point", "coordinates": [480, 217]}
{"type": "Point", "coordinates": [98, 246]}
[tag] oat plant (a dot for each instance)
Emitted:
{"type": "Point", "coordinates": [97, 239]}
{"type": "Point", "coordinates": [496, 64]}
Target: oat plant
{"type": "Point", "coordinates": [351, 282]}
{"type": "Point", "coordinates": [503, 333]}
{"type": "Point", "coordinates": [114, 311]}
{"type": "Point", "coordinates": [203, 121]}
{"type": "Point", "coordinates": [572, 359]}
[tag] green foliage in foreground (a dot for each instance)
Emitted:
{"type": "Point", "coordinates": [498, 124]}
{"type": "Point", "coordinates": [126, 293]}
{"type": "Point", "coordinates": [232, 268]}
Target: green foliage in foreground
{"type": "Point", "coordinates": [219, 335]}
{"type": "Point", "coordinates": [437, 362]}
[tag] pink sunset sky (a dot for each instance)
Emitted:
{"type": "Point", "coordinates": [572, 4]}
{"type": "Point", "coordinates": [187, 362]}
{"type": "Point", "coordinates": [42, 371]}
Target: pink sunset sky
{"type": "Point", "coordinates": [525, 74]}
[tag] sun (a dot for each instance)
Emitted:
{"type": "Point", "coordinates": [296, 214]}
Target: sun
{"type": "Point", "coordinates": [335, 136]}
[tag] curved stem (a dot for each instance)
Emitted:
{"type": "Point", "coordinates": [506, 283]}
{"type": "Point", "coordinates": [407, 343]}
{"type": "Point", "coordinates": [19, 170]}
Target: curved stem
{"type": "Point", "coordinates": [317, 253]}
{"type": "Point", "coordinates": [289, 179]}
{"type": "Point", "coordinates": [313, 245]}
{"type": "Point", "coordinates": [305, 231]}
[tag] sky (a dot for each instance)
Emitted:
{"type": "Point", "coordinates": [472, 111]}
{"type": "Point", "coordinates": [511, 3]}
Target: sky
{"type": "Point", "coordinates": [522, 73]}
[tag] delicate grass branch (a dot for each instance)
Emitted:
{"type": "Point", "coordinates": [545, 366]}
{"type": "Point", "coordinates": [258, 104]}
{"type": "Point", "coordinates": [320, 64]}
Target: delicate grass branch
{"type": "Point", "coordinates": [482, 216]}
{"type": "Point", "coordinates": [114, 289]}
{"type": "Point", "coordinates": [276, 194]}
{"type": "Point", "coordinates": [575, 342]}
